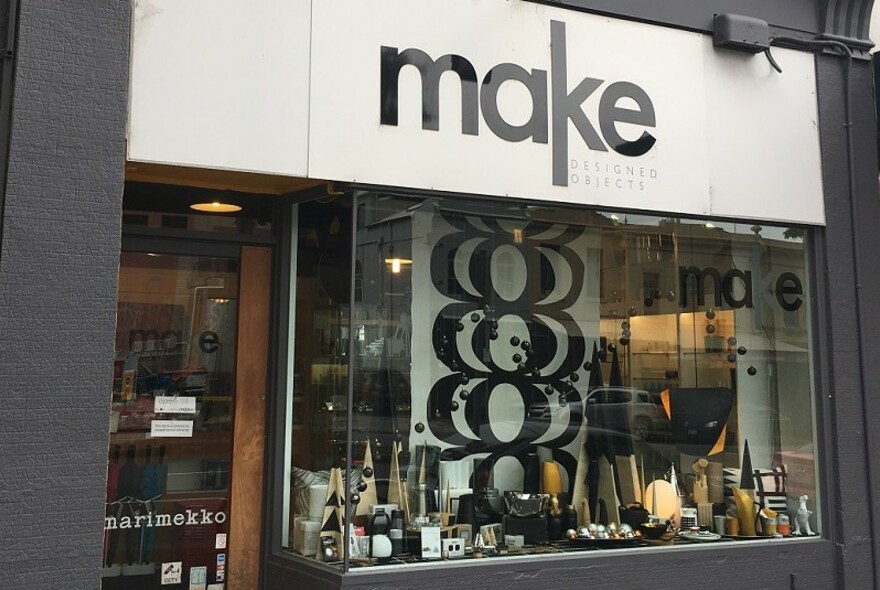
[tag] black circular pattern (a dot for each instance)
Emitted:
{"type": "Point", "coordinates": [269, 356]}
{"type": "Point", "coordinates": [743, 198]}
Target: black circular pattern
{"type": "Point", "coordinates": [731, 341]}
{"type": "Point", "coordinates": [741, 350]}
{"type": "Point", "coordinates": [731, 358]}
{"type": "Point", "coordinates": [475, 317]}
{"type": "Point", "coordinates": [752, 371]}
{"type": "Point", "coordinates": [368, 472]}
{"type": "Point", "coordinates": [362, 487]}
{"type": "Point", "coordinates": [710, 314]}
{"type": "Point", "coordinates": [545, 329]}
{"type": "Point", "coordinates": [355, 498]}
{"type": "Point", "coordinates": [710, 329]}
{"type": "Point", "coordinates": [459, 327]}
{"type": "Point", "coordinates": [453, 405]}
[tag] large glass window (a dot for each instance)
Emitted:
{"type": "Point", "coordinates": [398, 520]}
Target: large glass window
{"type": "Point", "coordinates": [498, 378]}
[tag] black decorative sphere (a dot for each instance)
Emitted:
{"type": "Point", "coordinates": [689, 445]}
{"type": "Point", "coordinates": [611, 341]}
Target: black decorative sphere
{"type": "Point", "coordinates": [752, 371]}
{"type": "Point", "coordinates": [710, 314]}
{"type": "Point", "coordinates": [475, 317]}
{"type": "Point", "coordinates": [398, 436]}
{"type": "Point", "coordinates": [731, 358]}
{"type": "Point", "coordinates": [454, 365]}
{"type": "Point", "coordinates": [487, 308]}
{"type": "Point", "coordinates": [521, 367]}
{"type": "Point", "coordinates": [741, 350]}
{"type": "Point", "coordinates": [493, 324]}
{"type": "Point", "coordinates": [731, 341]}
{"type": "Point", "coordinates": [355, 498]}
{"type": "Point", "coordinates": [493, 335]}
{"type": "Point", "coordinates": [549, 390]}
{"type": "Point", "coordinates": [633, 311]}
{"type": "Point", "coordinates": [624, 340]}
{"type": "Point", "coordinates": [517, 358]}
{"type": "Point", "coordinates": [710, 329]}
{"type": "Point", "coordinates": [464, 394]}
{"type": "Point", "coordinates": [563, 401]}
{"type": "Point", "coordinates": [453, 405]}
{"type": "Point", "coordinates": [536, 373]}
{"type": "Point", "coordinates": [612, 347]}
{"type": "Point", "coordinates": [648, 302]}
{"type": "Point", "coordinates": [464, 380]}
{"type": "Point", "coordinates": [574, 377]}
{"type": "Point", "coordinates": [368, 472]}
{"type": "Point", "coordinates": [459, 327]}
{"type": "Point", "coordinates": [530, 353]}
{"type": "Point", "coordinates": [526, 345]}
{"type": "Point", "coordinates": [588, 366]}
{"type": "Point", "coordinates": [420, 428]}
{"type": "Point", "coordinates": [514, 341]}
{"type": "Point", "coordinates": [362, 487]}
{"type": "Point", "coordinates": [624, 325]}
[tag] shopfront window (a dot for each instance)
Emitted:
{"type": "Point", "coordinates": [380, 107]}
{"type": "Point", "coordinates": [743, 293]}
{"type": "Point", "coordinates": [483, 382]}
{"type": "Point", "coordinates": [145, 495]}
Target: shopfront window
{"type": "Point", "coordinates": [171, 422]}
{"type": "Point", "coordinates": [499, 378]}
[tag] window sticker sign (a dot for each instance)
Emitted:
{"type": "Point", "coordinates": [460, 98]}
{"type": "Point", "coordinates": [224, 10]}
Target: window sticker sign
{"type": "Point", "coordinates": [172, 572]}
{"type": "Point", "coordinates": [166, 404]}
{"type": "Point", "coordinates": [221, 567]}
{"type": "Point", "coordinates": [198, 578]}
{"type": "Point", "coordinates": [171, 429]}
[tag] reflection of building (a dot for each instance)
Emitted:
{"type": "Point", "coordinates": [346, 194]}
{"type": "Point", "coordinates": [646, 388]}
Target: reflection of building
{"type": "Point", "coordinates": [330, 328]}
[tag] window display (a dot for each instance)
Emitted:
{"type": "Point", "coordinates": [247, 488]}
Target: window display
{"type": "Point", "coordinates": [480, 378]}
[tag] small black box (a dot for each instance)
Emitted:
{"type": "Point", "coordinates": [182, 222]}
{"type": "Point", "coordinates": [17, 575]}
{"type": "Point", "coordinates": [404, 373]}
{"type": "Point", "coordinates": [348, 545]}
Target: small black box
{"type": "Point", "coordinates": [533, 528]}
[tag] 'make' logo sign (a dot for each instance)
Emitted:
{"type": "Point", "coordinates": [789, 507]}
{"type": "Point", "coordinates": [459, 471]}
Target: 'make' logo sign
{"type": "Point", "coordinates": [567, 106]}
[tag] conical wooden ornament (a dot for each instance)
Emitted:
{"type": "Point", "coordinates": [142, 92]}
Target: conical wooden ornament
{"type": "Point", "coordinates": [395, 493]}
{"type": "Point", "coordinates": [368, 496]}
{"type": "Point", "coordinates": [579, 493]}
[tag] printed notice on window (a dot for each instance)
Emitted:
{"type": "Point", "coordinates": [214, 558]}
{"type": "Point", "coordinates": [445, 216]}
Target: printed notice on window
{"type": "Point", "coordinates": [164, 404]}
{"type": "Point", "coordinates": [171, 429]}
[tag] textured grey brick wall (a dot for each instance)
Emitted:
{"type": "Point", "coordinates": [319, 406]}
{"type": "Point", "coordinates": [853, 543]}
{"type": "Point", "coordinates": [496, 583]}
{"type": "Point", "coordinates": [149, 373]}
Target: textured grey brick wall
{"type": "Point", "coordinates": [58, 268]}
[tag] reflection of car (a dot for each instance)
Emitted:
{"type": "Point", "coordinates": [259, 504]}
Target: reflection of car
{"type": "Point", "coordinates": [623, 409]}
{"type": "Point", "coordinates": [643, 410]}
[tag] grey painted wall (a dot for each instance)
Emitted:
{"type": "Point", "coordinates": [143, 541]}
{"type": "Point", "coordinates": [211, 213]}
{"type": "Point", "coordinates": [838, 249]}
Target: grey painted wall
{"type": "Point", "coordinates": [851, 457]}
{"type": "Point", "coordinates": [58, 268]}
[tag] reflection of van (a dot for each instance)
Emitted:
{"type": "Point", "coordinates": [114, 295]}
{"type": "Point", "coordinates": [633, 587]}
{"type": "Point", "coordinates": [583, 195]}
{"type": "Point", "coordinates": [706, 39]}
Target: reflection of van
{"type": "Point", "coordinates": [640, 409]}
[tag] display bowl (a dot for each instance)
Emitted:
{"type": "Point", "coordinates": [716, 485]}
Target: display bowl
{"type": "Point", "coordinates": [651, 530]}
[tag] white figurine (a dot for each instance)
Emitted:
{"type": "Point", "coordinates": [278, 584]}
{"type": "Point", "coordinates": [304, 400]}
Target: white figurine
{"type": "Point", "coordinates": [802, 519]}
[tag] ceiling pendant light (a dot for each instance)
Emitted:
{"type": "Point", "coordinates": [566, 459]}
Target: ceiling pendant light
{"type": "Point", "coordinates": [215, 207]}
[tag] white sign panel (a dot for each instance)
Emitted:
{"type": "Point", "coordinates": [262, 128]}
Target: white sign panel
{"type": "Point", "coordinates": [164, 404]}
{"type": "Point", "coordinates": [512, 98]}
{"type": "Point", "coordinates": [171, 428]}
{"type": "Point", "coordinates": [220, 84]}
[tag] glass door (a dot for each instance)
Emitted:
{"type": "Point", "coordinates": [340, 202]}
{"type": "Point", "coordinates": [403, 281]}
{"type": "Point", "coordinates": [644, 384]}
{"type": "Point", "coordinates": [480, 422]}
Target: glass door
{"type": "Point", "coordinates": [171, 422]}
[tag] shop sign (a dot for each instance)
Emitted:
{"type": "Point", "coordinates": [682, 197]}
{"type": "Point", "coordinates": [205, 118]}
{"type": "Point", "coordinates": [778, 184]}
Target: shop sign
{"type": "Point", "coordinates": [516, 99]}
{"type": "Point", "coordinates": [157, 520]}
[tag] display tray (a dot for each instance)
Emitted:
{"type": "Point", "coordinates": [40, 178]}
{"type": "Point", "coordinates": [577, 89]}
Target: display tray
{"type": "Point", "coordinates": [749, 537]}
{"type": "Point", "coordinates": [700, 537]}
{"type": "Point", "coordinates": [586, 542]}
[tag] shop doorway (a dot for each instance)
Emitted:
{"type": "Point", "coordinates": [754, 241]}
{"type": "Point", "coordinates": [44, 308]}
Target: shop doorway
{"type": "Point", "coordinates": [185, 464]}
